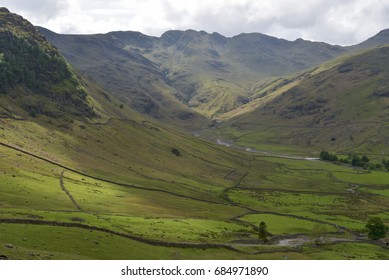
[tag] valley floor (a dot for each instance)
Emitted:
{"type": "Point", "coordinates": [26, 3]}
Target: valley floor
{"type": "Point", "coordinates": [52, 208]}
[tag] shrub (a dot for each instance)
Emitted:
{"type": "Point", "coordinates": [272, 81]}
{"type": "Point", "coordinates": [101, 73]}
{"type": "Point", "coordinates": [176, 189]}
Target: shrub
{"type": "Point", "coordinates": [176, 152]}
{"type": "Point", "coordinates": [376, 228]}
{"type": "Point", "coordinates": [324, 155]}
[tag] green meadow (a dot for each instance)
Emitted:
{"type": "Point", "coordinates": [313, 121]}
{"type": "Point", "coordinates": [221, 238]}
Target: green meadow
{"type": "Point", "coordinates": [78, 199]}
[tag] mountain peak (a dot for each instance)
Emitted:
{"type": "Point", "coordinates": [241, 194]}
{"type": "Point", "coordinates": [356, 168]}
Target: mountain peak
{"type": "Point", "coordinates": [384, 32]}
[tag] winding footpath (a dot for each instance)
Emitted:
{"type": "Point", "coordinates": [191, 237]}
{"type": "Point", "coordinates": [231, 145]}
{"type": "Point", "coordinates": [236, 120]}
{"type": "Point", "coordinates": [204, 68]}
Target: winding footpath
{"type": "Point", "coordinates": [61, 183]}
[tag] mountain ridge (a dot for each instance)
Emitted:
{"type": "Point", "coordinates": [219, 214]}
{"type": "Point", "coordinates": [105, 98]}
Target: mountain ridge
{"type": "Point", "coordinates": [206, 74]}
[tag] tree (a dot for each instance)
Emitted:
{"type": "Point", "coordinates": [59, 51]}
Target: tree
{"type": "Point", "coordinates": [318, 231]}
{"type": "Point", "coordinates": [324, 155]}
{"type": "Point", "coordinates": [357, 161]}
{"type": "Point", "coordinates": [376, 228]}
{"type": "Point", "coordinates": [365, 159]}
{"type": "Point", "coordinates": [262, 232]}
{"type": "Point", "coordinates": [386, 164]}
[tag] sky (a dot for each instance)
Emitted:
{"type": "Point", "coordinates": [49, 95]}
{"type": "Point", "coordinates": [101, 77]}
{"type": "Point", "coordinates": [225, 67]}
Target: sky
{"type": "Point", "coordinates": [342, 22]}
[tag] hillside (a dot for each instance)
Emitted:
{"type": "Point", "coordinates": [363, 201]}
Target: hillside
{"type": "Point", "coordinates": [125, 74]}
{"type": "Point", "coordinates": [380, 39]}
{"type": "Point", "coordinates": [341, 106]}
{"type": "Point", "coordinates": [34, 76]}
{"type": "Point", "coordinates": [209, 73]}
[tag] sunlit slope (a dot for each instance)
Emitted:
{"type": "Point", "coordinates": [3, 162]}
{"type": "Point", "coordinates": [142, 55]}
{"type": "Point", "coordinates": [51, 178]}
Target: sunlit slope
{"type": "Point", "coordinates": [340, 106]}
{"type": "Point", "coordinates": [139, 153]}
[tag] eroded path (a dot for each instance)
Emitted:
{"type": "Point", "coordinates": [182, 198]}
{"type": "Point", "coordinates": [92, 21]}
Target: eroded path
{"type": "Point", "coordinates": [61, 183]}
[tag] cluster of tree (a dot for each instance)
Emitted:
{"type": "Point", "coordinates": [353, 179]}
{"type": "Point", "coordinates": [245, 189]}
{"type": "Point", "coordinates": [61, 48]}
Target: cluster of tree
{"type": "Point", "coordinates": [359, 161]}
{"type": "Point", "coordinates": [324, 155]}
{"type": "Point", "coordinates": [355, 160]}
{"type": "Point", "coordinates": [24, 62]}
{"type": "Point", "coordinates": [385, 164]}
{"type": "Point", "coordinates": [376, 228]}
{"type": "Point", "coordinates": [39, 67]}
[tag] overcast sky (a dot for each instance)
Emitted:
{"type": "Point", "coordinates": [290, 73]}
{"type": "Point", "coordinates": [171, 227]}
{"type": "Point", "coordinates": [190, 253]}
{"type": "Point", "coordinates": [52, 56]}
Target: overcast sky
{"type": "Point", "coordinates": [342, 22]}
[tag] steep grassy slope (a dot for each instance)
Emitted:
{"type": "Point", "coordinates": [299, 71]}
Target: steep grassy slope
{"type": "Point", "coordinates": [340, 106]}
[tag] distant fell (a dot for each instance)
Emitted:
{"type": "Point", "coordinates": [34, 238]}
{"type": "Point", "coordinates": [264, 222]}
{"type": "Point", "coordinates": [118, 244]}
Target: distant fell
{"type": "Point", "coordinates": [114, 61]}
{"type": "Point", "coordinates": [207, 73]}
{"type": "Point", "coordinates": [380, 39]}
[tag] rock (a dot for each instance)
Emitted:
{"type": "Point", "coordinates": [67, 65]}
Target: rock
{"type": "Point", "coordinates": [10, 246]}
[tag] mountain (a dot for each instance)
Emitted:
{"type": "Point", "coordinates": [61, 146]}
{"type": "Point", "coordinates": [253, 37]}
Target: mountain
{"type": "Point", "coordinates": [209, 73]}
{"type": "Point", "coordinates": [380, 39]}
{"type": "Point", "coordinates": [34, 76]}
{"type": "Point", "coordinates": [126, 74]}
{"type": "Point", "coordinates": [342, 106]}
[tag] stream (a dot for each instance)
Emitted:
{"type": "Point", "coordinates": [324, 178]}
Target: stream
{"type": "Point", "coordinates": [231, 144]}
{"type": "Point", "coordinates": [302, 240]}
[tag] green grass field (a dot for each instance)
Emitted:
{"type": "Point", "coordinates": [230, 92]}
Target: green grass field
{"type": "Point", "coordinates": [281, 225]}
{"type": "Point", "coordinates": [78, 194]}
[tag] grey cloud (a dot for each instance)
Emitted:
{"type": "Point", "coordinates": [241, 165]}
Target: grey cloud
{"type": "Point", "coordinates": [41, 10]}
{"type": "Point", "coordinates": [337, 22]}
